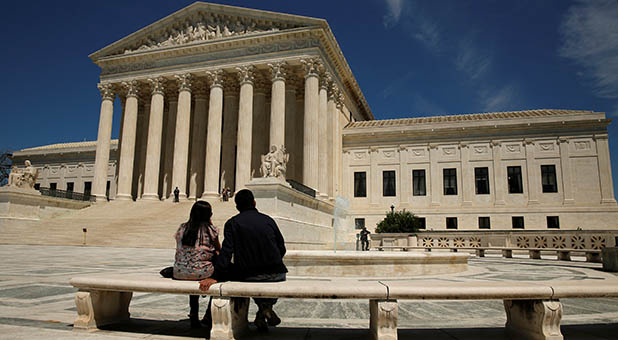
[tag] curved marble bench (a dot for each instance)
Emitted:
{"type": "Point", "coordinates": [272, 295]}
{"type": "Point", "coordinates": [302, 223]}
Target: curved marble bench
{"type": "Point", "coordinates": [533, 309]}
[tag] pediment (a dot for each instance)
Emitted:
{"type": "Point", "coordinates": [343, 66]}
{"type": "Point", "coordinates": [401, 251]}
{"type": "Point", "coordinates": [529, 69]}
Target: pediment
{"type": "Point", "coordinates": [202, 23]}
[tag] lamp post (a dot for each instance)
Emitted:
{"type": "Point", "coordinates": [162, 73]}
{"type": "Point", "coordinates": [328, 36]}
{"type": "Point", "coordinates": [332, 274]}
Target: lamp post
{"type": "Point", "coordinates": [392, 208]}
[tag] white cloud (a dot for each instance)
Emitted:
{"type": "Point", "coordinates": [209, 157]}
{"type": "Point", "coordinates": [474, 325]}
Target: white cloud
{"type": "Point", "coordinates": [394, 9]}
{"type": "Point", "coordinates": [590, 38]}
{"type": "Point", "coordinates": [428, 33]}
{"type": "Point", "coordinates": [471, 61]}
{"type": "Point", "coordinates": [500, 100]}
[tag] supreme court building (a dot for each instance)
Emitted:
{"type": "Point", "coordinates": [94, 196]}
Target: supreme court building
{"type": "Point", "coordinates": [208, 89]}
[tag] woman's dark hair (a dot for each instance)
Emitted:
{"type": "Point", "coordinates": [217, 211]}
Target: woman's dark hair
{"type": "Point", "coordinates": [200, 214]}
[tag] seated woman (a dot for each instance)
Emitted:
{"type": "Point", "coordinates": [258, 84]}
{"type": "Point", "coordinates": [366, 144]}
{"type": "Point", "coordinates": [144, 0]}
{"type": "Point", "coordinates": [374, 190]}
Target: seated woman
{"type": "Point", "coordinates": [197, 243]}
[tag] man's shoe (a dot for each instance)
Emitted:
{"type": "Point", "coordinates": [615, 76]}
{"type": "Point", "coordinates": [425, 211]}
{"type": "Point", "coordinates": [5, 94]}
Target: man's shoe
{"type": "Point", "coordinates": [260, 322]}
{"type": "Point", "coordinates": [272, 318]}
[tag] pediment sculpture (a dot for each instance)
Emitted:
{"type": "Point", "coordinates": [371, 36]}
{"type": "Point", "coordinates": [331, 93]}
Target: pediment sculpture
{"type": "Point", "coordinates": [23, 178]}
{"type": "Point", "coordinates": [206, 27]}
{"type": "Point", "coordinates": [274, 163]}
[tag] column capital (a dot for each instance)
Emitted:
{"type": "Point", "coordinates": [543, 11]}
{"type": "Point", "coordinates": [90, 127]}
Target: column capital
{"type": "Point", "coordinates": [157, 85]}
{"type": "Point", "coordinates": [230, 86]}
{"type": "Point", "coordinates": [171, 92]}
{"type": "Point", "coordinates": [495, 143]}
{"type": "Point", "coordinates": [215, 77]}
{"type": "Point", "coordinates": [325, 81]}
{"type": "Point", "coordinates": [131, 88]}
{"type": "Point", "coordinates": [339, 100]}
{"type": "Point", "coordinates": [333, 91]}
{"type": "Point", "coordinates": [278, 70]}
{"type": "Point", "coordinates": [311, 66]}
{"type": "Point", "coordinates": [184, 81]}
{"type": "Point", "coordinates": [529, 141]}
{"type": "Point", "coordinates": [563, 140]}
{"type": "Point", "coordinates": [107, 91]}
{"type": "Point", "coordinates": [246, 74]}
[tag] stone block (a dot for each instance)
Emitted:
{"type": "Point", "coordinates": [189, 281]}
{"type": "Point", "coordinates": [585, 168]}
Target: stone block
{"type": "Point", "coordinates": [99, 308]}
{"type": "Point", "coordinates": [383, 319]}
{"type": "Point", "coordinates": [533, 319]}
{"type": "Point", "coordinates": [229, 317]}
{"type": "Point", "coordinates": [610, 259]}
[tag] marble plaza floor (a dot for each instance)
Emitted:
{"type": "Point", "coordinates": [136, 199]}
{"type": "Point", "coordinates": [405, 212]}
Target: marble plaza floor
{"type": "Point", "coordinates": [37, 302]}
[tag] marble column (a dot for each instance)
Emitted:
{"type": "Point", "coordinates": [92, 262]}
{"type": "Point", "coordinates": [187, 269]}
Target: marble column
{"type": "Point", "coordinates": [330, 140]}
{"type": "Point", "coordinates": [260, 126]}
{"type": "Point", "coordinates": [230, 129]}
{"type": "Point", "coordinates": [101, 161]}
{"type": "Point", "coordinates": [181, 139]}
{"type": "Point", "coordinates": [290, 127]}
{"type": "Point", "coordinates": [434, 176]}
{"type": "Point", "coordinates": [129, 133]}
{"type": "Point", "coordinates": [310, 136]}
{"type": "Point", "coordinates": [277, 105]}
{"type": "Point", "coordinates": [213, 136]}
{"type": "Point", "coordinates": [143, 120]}
{"type": "Point", "coordinates": [299, 131]}
{"type": "Point", "coordinates": [338, 147]}
{"type": "Point", "coordinates": [605, 170]}
{"type": "Point", "coordinates": [153, 148]}
{"type": "Point", "coordinates": [198, 141]}
{"type": "Point", "coordinates": [323, 137]}
{"type": "Point", "coordinates": [168, 162]}
{"type": "Point", "coordinates": [467, 175]}
{"type": "Point", "coordinates": [245, 122]}
{"type": "Point", "coordinates": [565, 167]}
{"type": "Point", "coordinates": [500, 184]}
{"type": "Point", "coordinates": [533, 172]}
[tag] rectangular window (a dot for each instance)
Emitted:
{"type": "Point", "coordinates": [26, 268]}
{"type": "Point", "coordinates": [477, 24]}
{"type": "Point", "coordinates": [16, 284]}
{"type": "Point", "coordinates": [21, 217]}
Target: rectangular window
{"type": "Point", "coordinates": [514, 180]}
{"type": "Point", "coordinates": [481, 179]}
{"type": "Point", "coordinates": [518, 222]}
{"type": "Point", "coordinates": [553, 222]}
{"type": "Point", "coordinates": [70, 186]}
{"type": "Point", "coordinates": [451, 223]}
{"type": "Point", "coordinates": [418, 183]}
{"type": "Point", "coordinates": [359, 223]}
{"type": "Point", "coordinates": [53, 186]}
{"type": "Point", "coordinates": [421, 223]}
{"type": "Point", "coordinates": [388, 183]}
{"type": "Point", "coordinates": [450, 181]}
{"type": "Point", "coordinates": [548, 178]}
{"type": "Point", "coordinates": [87, 188]}
{"type": "Point", "coordinates": [360, 184]}
{"type": "Point", "coordinates": [484, 222]}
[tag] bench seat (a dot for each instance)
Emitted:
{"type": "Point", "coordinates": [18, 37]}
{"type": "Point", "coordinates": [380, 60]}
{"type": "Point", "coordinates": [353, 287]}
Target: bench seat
{"type": "Point", "coordinates": [533, 309]}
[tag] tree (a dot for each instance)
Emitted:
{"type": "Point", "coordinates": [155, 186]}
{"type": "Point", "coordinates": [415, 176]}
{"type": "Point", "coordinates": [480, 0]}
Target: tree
{"type": "Point", "coordinates": [399, 222]}
{"type": "Point", "coordinates": [5, 167]}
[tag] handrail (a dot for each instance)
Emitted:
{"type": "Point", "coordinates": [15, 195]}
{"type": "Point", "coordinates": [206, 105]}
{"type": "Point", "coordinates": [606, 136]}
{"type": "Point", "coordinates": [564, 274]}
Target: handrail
{"type": "Point", "coordinates": [71, 195]}
{"type": "Point", "coordinates": [301, 187]}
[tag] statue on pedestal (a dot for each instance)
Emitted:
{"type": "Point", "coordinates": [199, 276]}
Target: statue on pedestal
{"type": "Point", "coordinates": [274, 163]}
{"type": "Point", "coordinates": [23, 178]}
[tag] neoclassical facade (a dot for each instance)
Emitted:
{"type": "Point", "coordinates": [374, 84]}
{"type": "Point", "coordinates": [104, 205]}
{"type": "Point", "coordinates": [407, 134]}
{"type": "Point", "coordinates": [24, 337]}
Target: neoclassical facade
{"type": "Point", "coordinates": [207, 90]}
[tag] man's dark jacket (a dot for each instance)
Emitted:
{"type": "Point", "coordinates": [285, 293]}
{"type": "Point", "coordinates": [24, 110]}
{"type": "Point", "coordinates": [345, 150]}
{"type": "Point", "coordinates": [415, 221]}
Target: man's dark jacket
{"type": "Point", "coordinates": [256, 244]}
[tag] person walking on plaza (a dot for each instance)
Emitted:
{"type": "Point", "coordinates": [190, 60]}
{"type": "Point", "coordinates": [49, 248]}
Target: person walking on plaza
{"type": "Point", "coordinates": [255, 243]}
{"type": "Point", "coordinates": [364, 233]}
{"type": "Point", "coordinates": [176, 194]}
{"type": "Point", "coordinates": [197, 242]}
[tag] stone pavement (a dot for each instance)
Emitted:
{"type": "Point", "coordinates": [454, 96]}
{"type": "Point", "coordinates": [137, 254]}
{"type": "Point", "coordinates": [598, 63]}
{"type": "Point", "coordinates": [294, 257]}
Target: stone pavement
{"type": "Point", "coordinates": [37, 302]}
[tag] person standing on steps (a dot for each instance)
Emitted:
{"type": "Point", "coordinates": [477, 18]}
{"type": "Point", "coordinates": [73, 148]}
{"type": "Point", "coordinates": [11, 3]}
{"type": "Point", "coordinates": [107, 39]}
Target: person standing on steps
{"type": "Point", "coordinates": [176, 194]}
{"type": "Point", "coordinates": [255, 243]}
{"type": "Point", "coordinates": [364, 233]}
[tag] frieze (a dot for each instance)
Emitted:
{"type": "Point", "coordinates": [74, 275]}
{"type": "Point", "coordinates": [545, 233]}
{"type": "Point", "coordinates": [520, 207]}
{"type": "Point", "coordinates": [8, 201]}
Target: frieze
{"type": "Point", "coordinates": [582, 145]}
{"type": "Point", "coordinates": [512, 148]}
{"type": "Point", "coordinates": [547, 146]}
{"type": "Point", "coordinates": [449, 151]}
{"type": "Point", "coordinates": [418, 152]}
{"type": "Point", "coordinates": [480, 149]}
{"type": "Point", "coordinates": [210, 56]}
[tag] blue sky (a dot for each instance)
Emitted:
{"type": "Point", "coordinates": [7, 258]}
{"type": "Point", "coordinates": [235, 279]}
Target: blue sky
{"type": "Point", "coordinates": [411, 58]}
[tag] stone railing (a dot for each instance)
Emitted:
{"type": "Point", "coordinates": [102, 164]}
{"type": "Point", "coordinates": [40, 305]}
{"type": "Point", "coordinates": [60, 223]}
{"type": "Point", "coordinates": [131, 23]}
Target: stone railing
{"type": "Point", "coordinates": [557, 239]}
{"type": "Point", "coordinates": [66, 194]}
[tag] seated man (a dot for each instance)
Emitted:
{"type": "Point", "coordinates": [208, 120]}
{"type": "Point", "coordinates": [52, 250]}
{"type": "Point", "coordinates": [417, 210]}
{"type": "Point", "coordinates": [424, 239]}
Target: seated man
{"type": "Point", "coordinates": [255, 244]}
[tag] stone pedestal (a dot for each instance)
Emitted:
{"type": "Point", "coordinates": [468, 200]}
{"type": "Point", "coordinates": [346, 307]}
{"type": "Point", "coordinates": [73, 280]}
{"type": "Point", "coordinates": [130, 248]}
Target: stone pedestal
{"type": "Point", "coordinates": [304, 221]}
{"type": "Point", "coordinates": [19, 203]}
{"type": "Point", "coordinates": [610, 259]}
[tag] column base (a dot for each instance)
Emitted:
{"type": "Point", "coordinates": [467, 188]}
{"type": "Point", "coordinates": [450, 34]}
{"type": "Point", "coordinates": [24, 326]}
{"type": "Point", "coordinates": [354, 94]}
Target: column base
{"type": "Point", "coordinates": [100, 198]}
{"type": "Point", "coordinates": [150, 197]}
{"type": "Point", "coordinates": [608, 201]}
{"type": "Point", "coordinates": [123, 197]}
{"type": "Point", "coordinates": [210, 195]}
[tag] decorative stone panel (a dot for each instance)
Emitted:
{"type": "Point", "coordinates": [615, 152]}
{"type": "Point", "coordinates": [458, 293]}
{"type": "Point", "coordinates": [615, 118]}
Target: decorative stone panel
{"type": "Point", "coordinates": [388, 156]}
{"type": "Point", "coordinates": [480, 152]}
{"type": "Point", "coordinates": [513, 150]}
{"type": "Point", "coordinates": [546, 149]}
{"type": "Point", "coordinates": [582, 147]}
{"type": "Point", "coordinates": [448, 153]}
{"type": "Point", "coordinates": [359, 157]}
{"type": "Point", "coordinates": [418, 154]}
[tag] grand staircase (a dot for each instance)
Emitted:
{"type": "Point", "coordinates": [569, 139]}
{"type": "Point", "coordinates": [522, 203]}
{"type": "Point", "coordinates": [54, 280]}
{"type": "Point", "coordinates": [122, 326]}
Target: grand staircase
{"type": "Point", "coordinates": [148, 224]}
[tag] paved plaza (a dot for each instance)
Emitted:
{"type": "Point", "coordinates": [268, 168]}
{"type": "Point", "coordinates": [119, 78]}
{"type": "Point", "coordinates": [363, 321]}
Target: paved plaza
{"type": "Point", "coordinates": [37, 301]}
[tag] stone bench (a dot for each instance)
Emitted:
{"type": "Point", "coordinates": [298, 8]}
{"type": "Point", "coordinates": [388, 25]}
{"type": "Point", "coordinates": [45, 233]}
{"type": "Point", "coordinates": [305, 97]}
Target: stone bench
{"type": "Point", "coordinates": [563, 254]}
{"type": "Point", "coordinates": [533, 309]}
